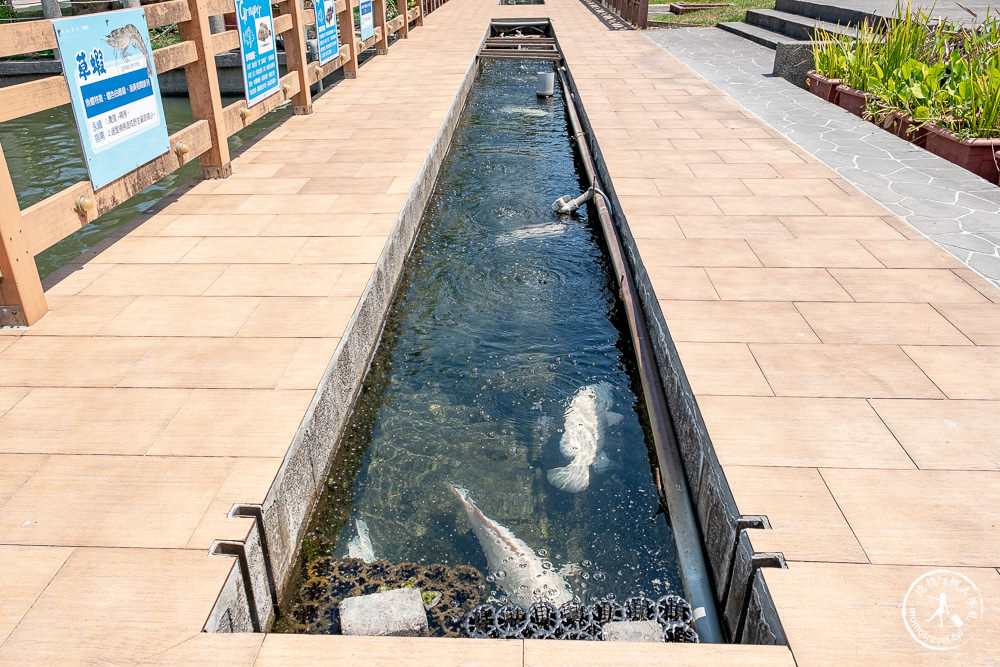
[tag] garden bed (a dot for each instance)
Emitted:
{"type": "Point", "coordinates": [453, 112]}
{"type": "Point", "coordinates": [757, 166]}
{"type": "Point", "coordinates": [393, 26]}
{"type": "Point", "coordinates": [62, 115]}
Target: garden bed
{"type": "Point", "coordinates": [932, 83]}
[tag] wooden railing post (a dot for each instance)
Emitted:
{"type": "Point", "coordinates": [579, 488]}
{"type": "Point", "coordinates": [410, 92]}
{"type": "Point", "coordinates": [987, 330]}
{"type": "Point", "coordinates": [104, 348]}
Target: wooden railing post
{"type": "Point", "coordinates": [404, 31]}
{"type": "Point", "coordinates": [295, 57]}
{"type": "Point", "coordinates": [203, 90]}
{"type": "Point", "coordinates": [420, 13]}
{"type": "Point", "coordinates": [382, 44]}
{"type": "Point", "coordinates": [345, 22]}
{"type": "Point", "coordinates": [22, 300]}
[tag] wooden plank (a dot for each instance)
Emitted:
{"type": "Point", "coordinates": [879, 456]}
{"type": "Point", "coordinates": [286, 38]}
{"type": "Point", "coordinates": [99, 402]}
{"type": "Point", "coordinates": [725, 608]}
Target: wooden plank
{"type": "Point", "coordinates": [216, 7]}
{"type": "Point", "coordinates": [165, 13]}
{"type": "Point", "coordinates": [404, 24]}
{"type": "Point", "coordinates": [26, 37]}
{"type": "Point", "coordinates": [234, 121]}
{"type": "Point", "coordinates": [225, 41]}
{"type": "Point", "coordinates": [54, 218]}
{"type": "Point", "coordinates": [295, 56]}
{"type": "Point", "coordinates": [348, 46]}
{"type": "Point", "coordinates": [31, 36]}
{"type": "Point", "coordinates": [33, 96]}
{"type": "Point", "coordinates": [20, 286]}
{"type": "Point", "coordinates": [328, 68]}
{"type": "Point", "coordinates": [282, 23]}
{"type": "Point", "coordinates": [381, 32]}
{"type": "Point", "coordinates": [394, 26]}
{"type": "Point", "coordinates": [174, 56]}
{"type": "Point", "coordinates": [203, 89]}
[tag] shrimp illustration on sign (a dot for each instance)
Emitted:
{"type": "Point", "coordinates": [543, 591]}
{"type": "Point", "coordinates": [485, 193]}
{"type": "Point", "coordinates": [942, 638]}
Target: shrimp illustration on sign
{"type": "Point", "coordinates": [125, 39]}
{"type": "Point", "coordinates": [329, 11]}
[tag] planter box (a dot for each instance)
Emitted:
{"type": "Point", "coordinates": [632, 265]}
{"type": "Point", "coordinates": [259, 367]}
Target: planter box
{"type": "Point", "coordinates": [976, 155]}
{"type": "Point", "coordinates": [822, 86]}
{"type": "Point", "coordinates": [852, 100]}
{"type": "Point", "coordinates": [902, 125]}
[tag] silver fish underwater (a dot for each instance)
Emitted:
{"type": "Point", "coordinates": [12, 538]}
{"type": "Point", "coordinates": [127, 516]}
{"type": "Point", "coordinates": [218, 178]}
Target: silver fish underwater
{"type": "Point", "coordinates": [587, 419]}
{"type": "Point", "coordinates": [522, 575]}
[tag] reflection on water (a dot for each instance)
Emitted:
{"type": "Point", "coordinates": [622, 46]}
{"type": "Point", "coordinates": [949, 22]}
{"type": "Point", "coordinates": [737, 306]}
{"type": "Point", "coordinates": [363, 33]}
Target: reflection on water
{"type": "Point", "coordinates": [505, 312]}
{"type": "Point", "coordinates": [44, 156]}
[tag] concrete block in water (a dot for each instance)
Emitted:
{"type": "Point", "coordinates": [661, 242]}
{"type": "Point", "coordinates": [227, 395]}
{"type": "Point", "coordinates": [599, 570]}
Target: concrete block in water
{"type": "Point", "coordinates": [396, 613]}
{"type": "Point", "coordinates": [633, 631]}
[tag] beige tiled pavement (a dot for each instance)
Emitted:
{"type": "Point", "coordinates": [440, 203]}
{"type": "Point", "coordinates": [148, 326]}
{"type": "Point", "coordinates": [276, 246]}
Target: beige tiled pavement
{"type": "Point", "coordinates": [846, 369]}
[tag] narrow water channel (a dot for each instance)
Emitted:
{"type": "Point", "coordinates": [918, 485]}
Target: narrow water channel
{"type": "Point", "coordinates": [505, 351]}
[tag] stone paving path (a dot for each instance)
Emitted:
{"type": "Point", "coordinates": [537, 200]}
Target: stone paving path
{"type": "Point", "coordinates": [846, 369]}
{"type": "Point", "coordinates": [958, 211]}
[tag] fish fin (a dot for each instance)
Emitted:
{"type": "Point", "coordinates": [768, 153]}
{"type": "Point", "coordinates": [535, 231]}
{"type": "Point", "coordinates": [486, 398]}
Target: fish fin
{"type": "Point", "coordinates": [571, 478]}
{"type": "Point", "coordinates": [613, 418]}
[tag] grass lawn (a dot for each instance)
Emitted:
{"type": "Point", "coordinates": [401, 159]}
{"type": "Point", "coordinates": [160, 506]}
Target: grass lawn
{"type": "Point", "coordinates": [710, 17]}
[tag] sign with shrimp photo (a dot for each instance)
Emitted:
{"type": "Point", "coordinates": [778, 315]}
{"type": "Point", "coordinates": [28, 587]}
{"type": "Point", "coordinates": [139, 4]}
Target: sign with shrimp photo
{"type": "Point", "coordinates": [257, 48]}
{"type": "Point", "coordinates": [327, 38]}
{"type": "Point", "coordinates": [108, 64]}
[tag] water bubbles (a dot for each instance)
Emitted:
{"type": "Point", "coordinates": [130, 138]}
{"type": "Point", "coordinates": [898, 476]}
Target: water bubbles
{"type": "Point", "coordinates": [600, 576]}
{"type": "Point", "coordinates": [586, 563]}
{"type": "Point", "coordinates": [500, 574]}
{"type": "Point", "coordinates": [543, 553]}
{"type": "Point", "coordinates": [546, 565]}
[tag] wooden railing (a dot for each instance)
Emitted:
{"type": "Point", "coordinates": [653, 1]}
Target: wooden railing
{"type": "Point", "coordinates": [635, 12]}
{"type": "Point", "coordinates": [25, 233]}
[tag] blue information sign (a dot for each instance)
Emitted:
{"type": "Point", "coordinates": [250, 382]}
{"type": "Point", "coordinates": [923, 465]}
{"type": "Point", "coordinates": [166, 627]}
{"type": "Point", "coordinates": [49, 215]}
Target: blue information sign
{"type": "Point", "coordinates": [367, 19]}
{"type": "Point", "coordinates": [260, 56]}
{"type": "Point", "coordinates": [108, 64]}
{"type": "Point", "coordinates": [326, 30]}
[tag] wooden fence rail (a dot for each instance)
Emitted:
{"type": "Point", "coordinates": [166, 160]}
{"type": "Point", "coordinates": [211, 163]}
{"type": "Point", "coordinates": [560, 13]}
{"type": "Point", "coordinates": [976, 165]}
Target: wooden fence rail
{"type": "Point", "coordinates": [635, 12]}
{"type": "Point", "coordinates": [25, 233]}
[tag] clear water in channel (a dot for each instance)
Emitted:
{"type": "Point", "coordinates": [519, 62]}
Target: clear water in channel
{"type": "Point", "coordinates": [505, 312]}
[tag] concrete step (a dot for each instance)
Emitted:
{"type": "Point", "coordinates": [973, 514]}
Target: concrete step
{"type": "Point", "coordinates": [824, 12]}
{"type": "Point", "coordinates": [795, 26]}
{"type": "Point", "coordinates": [755, 33]}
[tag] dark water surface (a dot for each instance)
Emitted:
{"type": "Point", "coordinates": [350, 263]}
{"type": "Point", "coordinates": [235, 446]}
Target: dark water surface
{"type": "Point", "coordinates": [43, 155]}
{"type": "Point", "coordinates": [505, 311]}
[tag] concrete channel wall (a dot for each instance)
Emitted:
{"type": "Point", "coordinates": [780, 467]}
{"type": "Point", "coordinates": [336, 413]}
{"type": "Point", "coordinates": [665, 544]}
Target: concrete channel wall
{"type": "Point", "coordinates": [744, 604]}
{"type": "Point", "coordinates": [303, 474]}
{"type": "Point", "coordinates": [246, 603]}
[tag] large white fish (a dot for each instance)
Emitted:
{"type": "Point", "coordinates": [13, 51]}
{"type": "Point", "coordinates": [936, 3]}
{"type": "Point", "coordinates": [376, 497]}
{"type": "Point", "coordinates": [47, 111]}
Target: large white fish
{"type": "Point", "coordinates": [587, 418]}
{"type": "Point", "coordinates": [360, 545]}
{"type": "Point", "coordinates": [546, 231]}
{"type": "Point", "coordinates": [519, 571]}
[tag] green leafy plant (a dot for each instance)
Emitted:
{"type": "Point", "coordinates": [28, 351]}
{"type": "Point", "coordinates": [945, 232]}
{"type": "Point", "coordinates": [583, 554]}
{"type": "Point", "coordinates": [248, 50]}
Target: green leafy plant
{"type": "Point", "coordinates": [934, 72]}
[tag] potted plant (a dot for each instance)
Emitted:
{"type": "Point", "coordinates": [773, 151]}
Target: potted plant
{"type": "Point", "coordinates": [828, 60]}
{"type": "Point", "coordinates": [968, 129]}
{"type": "Point", "coordinates": [858, 62]}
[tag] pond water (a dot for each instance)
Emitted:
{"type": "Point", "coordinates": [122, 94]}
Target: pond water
{"type": "Point", "coordinates": [506, 329]}
{"type": "Point", "coordinates": [44, 156]}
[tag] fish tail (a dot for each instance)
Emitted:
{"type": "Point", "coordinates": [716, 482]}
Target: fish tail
{"type": "Point", "coordinates": [572, 478]}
